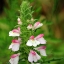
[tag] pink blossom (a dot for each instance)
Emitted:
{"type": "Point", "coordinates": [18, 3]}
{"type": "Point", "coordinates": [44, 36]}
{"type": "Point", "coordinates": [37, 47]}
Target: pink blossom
{"type": "Point", "coordinates": [41, 49]}
{"type": "Point", "coordinates": [15, 32]}
{"type": "Point", "coordinates": [14, 58]}
{"type": "Point", "coordinates": [37, 25]}
{"type": "Point", "coordinates": [34, 41]}
{"type": "Point", "coordinates": [33, 56]}
{"type": "Point", "coordinates": [29, 26]}
{"type": "Point", "coordinates": [40, 39]}
{"type": "Point", "coordinates": [19, 21]}
{"type": "Point", "coordinates": [15, 44]}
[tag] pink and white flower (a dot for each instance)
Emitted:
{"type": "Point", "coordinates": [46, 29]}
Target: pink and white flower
{"type": "Point", "coordinates": [15, 32]}
{"type": "Point", "coordinates": [37, 25]}
{"type": "Point", "coordinates": [14, 58]}
{"type": "Point", "coordinates": [40, 39]}
{"type": "Point", "coordinates": [41, 49]}
{"type": "Point", "coordinates": [34, 41]}
{"type": "Point", "coordinates": [15, 44]}
{"type": "Point", "coordinates": [29, 26]}
{"type": "Point", "coordinates": [33, 56]}
{"type": "Point", "coordinates": [19, 21]}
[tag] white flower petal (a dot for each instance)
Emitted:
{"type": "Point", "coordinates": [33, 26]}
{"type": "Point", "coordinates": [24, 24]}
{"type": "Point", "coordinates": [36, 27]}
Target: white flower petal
{"type": "Point", "coordinates": [29, 43]}
{"type": "Point", "coordinates": [35, 59]}
{"type": "Point", "coordinates": [42, 40]}
{"type": "Point", "coordinates": [30, 57]}
{"type": "Point", "coordinates": [43, 52]}
{"type": "Point", "coordinates": [16, 34]}
{"type": "Point", "coordinates": [33, 56]}
{"type": "Point", "coordinates": [39, 25]}
{"type": "Point", "coordinates": [15, 47]}
{"type": "Point", "coordinates": [10, 33]}
{"type": "Point", "coordinates": [11, 46]}
{"type": "Point", "coordinates": [11, 61]}
{"type": "Point", "coordinates": [38, 57]}
{"type": "Point", "coordinates": [29, 27]}
{"type": "Point", "coordinates": [35, 27]}
{"type": "Point", "coordinates": [16, 59]}
{"type": "Point", "coordinates": [13, 34]}
{"type": "Point", "coordinates": [35, 43]}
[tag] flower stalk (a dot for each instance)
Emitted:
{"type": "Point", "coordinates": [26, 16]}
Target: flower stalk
{"type": "Point", "coordinates": [25, 34]}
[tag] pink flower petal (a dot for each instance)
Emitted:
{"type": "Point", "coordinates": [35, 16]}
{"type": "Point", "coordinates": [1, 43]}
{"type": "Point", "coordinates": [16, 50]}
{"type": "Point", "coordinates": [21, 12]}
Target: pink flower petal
{"type": "Point", "coordinates": [43, 52]}
{"type": "Point", "coordinates": [29, 26]}
{"type": "Point", "coordinates": [32, 37]}
{"type": "Point", "coordinates": [15, 44]}
{"type": "Point", "coordinates": [42, 40]}
{"type": "Point", "coordinates": [14, 55]}
{"type": "Point", "coordinates": [15, 47]}
{"type": "Point", "coordinates": [41, 47]}
{"type": "Point", "coordinates": [15, 41]}
{"type": "Point", "coordinates": [32, 52]}
{"type": "Point", "coordinates": [30, 57]}
{"type": "Point", "coordinates": [14, 59]}
{"type": "Point", "coordinates": [33, 56]}
{"type": "Point", "coordinates": [36, 24]}
{"type": "Point", "coordinates": [39, 36]}
{"type": "Point", "coordinates": [38, 57]}
{"type": "Point", "coordinates": [18, 29]}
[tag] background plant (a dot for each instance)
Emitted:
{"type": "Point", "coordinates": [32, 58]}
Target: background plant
{"type": "Point", "coordinates": [54, 49]}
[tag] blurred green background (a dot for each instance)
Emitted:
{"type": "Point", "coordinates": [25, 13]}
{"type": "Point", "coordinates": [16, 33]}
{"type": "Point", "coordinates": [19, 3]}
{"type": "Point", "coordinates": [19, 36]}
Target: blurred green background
{"type": "Point", "coordinates": [50, 12]}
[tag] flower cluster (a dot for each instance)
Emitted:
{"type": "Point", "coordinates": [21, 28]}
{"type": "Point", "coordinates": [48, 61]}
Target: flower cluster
{"type": "Point", "coordinates": [36, 25]}
{"type": "Point", "coordinates": [35, 42]}
{"type": "Point", "coordinates": [15, 43]}
{"type": "Point", "coordinates": [32, 43]}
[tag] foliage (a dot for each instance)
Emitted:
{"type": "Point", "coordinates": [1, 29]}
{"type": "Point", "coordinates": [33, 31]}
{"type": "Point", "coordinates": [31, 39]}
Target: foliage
{"type": "Point", "coordinates": [55, 48]}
